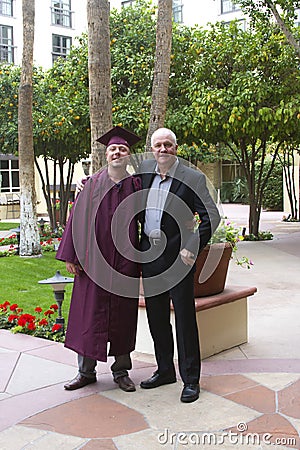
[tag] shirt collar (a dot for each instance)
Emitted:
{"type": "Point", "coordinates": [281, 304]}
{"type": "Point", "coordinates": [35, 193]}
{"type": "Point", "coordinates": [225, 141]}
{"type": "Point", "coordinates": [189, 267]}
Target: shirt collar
{"type": "Point", "coordinates": [171, 171]}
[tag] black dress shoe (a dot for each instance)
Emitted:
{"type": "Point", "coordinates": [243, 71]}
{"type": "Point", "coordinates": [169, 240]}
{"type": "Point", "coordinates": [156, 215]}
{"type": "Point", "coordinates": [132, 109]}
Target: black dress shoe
{"type": "Point", "coordinates": [78, 382]}
{"type": "Point", "coordinates": [158, 380]}
{"type": "Point", "coordinates": [125, 383]}
{"type": "Point", "coordinates": [190, 393]}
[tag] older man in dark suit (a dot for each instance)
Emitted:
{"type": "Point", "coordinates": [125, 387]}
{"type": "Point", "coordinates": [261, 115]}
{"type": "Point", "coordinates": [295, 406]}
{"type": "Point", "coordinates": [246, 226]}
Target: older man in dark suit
{"type": "Point", "coordinates": [171, 240]}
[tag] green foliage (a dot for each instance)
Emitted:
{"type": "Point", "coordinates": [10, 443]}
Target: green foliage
{"type": "Point", "coordinates": [9, 84]}
{"type": "Point", "coordinates": [245, 86]}
{"type": "Point", "coordinates": [61, 113]}
{"type": "Point", "coordinates": [228, 232]}
{"type": "Point", "coordinates": [262, 236]}
{"type": "Point", "coordinates": [273, 191]}
{"type": "Point", "coordinates": [235, 191]}
{"type": "Point", "coordinates": [133, 38]}
{"type": "Point", "coordinates": [261, 12]}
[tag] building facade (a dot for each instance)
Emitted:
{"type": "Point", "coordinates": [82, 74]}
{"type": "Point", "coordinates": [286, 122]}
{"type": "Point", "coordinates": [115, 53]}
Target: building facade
{"type": "Point", "coordinates": [57, 23]}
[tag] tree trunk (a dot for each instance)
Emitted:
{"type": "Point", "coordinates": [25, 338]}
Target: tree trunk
{"type": "Point", "coordinates": [160, 85]}
{"type": "Point", "coordinates": [288, 34]}
{"type": "Point", "coordinates": [29, 233]}
{"type": "Point", "coordinates": [99, 65]}
{"type": "Point", "coordinates": [288, 165]}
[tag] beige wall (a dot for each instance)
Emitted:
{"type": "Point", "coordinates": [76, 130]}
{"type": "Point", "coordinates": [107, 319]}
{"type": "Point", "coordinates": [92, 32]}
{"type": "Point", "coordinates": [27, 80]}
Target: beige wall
{"type": "Point", "coordinates": [213, 174]}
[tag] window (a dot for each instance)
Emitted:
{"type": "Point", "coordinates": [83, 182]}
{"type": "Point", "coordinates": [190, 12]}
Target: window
{"type": "Point", "coordinates": [127, 3]}
{"type": "Point", "coordinates": [61, 13]}
{"type": "Point", "coordinates": [6, 44]}
{"type": "Point", "coordinates": [61, 46]}
{"type": "Point", "coordinates": [177, 11]}
{"type": "Point", "coordinates": [240, 23]}
{"type": "Point", "coordinates": [6, 8]}
{"type": "Point", "coordinates": [9, 173]}
{"type": "Point", "coordinates": [228, 6]}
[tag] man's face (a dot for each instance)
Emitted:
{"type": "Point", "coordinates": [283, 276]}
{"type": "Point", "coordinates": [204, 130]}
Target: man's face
{"type": "Point", "coordinates": [164, 148]}
{"type": "Point", "coordinates": [117, 155]}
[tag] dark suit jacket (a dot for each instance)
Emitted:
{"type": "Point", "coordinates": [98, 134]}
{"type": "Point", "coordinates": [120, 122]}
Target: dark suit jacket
{"type": "Point", "coordinates": [188, 194]}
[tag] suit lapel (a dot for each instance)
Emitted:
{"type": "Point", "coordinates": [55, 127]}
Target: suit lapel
{"type": "Point", "coordinates": [176, 182]}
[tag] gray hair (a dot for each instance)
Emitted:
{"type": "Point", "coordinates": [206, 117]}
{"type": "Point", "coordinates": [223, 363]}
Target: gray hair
{"type": "Point", "coordinates": [165, 130]}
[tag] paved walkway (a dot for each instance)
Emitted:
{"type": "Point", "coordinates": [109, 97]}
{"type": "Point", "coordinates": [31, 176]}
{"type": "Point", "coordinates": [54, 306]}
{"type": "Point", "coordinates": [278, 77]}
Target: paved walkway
{"type": "Point", "coordinates": [250, 395]}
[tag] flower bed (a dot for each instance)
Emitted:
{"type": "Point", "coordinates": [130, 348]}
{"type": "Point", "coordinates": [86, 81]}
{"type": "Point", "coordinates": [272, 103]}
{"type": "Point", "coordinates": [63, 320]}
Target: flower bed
{"type": "Point", "coordinates": [42, 324]}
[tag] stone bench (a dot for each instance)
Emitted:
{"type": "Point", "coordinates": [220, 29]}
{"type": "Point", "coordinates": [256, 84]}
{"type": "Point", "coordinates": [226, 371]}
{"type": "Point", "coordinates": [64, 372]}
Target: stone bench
{"type": "Point", "coordinates": [222, 321]}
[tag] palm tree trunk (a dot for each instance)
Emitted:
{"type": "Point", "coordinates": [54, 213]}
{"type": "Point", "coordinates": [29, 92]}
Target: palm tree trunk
{"type": "Point", "coordinates": [160, 85]}
{"type": "Point", "coordinates": [29, 233]}
{"type": "Point", "coordinates": [99, 65]}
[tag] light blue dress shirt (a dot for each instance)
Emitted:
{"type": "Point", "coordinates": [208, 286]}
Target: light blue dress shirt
{"type": "Point", "coordinates": [156, 200]}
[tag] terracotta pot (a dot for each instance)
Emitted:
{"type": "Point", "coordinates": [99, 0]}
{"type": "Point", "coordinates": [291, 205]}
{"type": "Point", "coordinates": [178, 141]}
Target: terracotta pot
{"type": "Point", "coordinates": [211, 269]}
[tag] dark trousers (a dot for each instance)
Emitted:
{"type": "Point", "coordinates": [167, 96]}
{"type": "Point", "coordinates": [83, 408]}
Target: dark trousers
{"type": "Point", "coordinates": [120, 367]}
{"type": "Point", "coordinates": [158, 313]}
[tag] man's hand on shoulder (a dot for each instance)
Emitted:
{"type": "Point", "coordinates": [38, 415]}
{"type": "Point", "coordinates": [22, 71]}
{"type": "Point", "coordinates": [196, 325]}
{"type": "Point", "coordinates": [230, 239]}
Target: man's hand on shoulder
{"type": "Point", "coordinates": [80, 184]}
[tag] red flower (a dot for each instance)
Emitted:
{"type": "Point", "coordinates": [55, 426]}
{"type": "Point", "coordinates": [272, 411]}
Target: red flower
{"type": "Point", "coordinates": [13, 307]}
{"type": "Point", "coordinates": [56, 327]}
{"type": "Point", "coordinates": [4, 305]}
{"type": "Point", "coordinates": [43, 322]}
{"type": "Point", "coordinates": [25, 318]}
{"type": "Point", "coordinates": [54, 306]}
{"type": "Point", "coordinates": [12, 317]}
{"type": "Point", "coordinates": [22, 321]}
{"type": "Point", "coordinates": [48, 312]}
{"type": "Point", "coordinates": [31, 326]}
{"type": "Point", "coordinates": [19, 310]}
{"type": "Point", "coordinates": [38, 309]}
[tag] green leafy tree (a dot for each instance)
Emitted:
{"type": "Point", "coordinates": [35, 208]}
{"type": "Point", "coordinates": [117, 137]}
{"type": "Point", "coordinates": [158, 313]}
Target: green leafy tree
{"type": "Point", "coordinates": [62, 127]}
{"type": "Point", "coordinates": [132, 61]}
{"type": "Point", "coordinates": [9, 84]}
{"type": "Point", "coordinates": [245, 94]}
{"type": "Point", "coordinates": [284, 12]}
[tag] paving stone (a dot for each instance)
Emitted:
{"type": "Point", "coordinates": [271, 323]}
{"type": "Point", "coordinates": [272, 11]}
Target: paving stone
{"type": "Point", "coordinates": [15, 438]}
{"type": "Point", "coordinates": [92, 417]}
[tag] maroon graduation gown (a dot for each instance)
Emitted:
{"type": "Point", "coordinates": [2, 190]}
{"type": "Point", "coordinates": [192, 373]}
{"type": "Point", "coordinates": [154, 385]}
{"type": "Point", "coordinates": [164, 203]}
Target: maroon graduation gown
{"type": "Point", "coordinates": [104, 306]}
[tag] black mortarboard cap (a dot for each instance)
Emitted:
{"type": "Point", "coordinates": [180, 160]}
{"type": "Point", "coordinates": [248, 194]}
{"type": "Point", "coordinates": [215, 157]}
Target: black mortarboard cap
{"type": "Point", "coordinates": [118, 135]}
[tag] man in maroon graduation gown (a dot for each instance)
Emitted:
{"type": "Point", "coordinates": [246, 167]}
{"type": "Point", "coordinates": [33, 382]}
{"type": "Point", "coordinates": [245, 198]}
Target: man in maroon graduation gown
{"type": "Point", "coordinates": [98, 246]}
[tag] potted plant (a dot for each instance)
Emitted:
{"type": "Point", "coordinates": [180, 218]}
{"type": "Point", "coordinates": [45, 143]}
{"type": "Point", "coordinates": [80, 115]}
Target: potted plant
{"type": "Point", "coordinates": [212, 263]}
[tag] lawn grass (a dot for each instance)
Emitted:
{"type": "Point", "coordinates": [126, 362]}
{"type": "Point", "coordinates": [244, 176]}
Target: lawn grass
{"type": "Point", "coordinates": [19, 281]}
{"type": "Point", "coordinates": [6, 226]}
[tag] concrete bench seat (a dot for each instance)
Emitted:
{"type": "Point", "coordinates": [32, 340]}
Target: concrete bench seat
{"type": "Point", "coordinates": [222, 321]}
